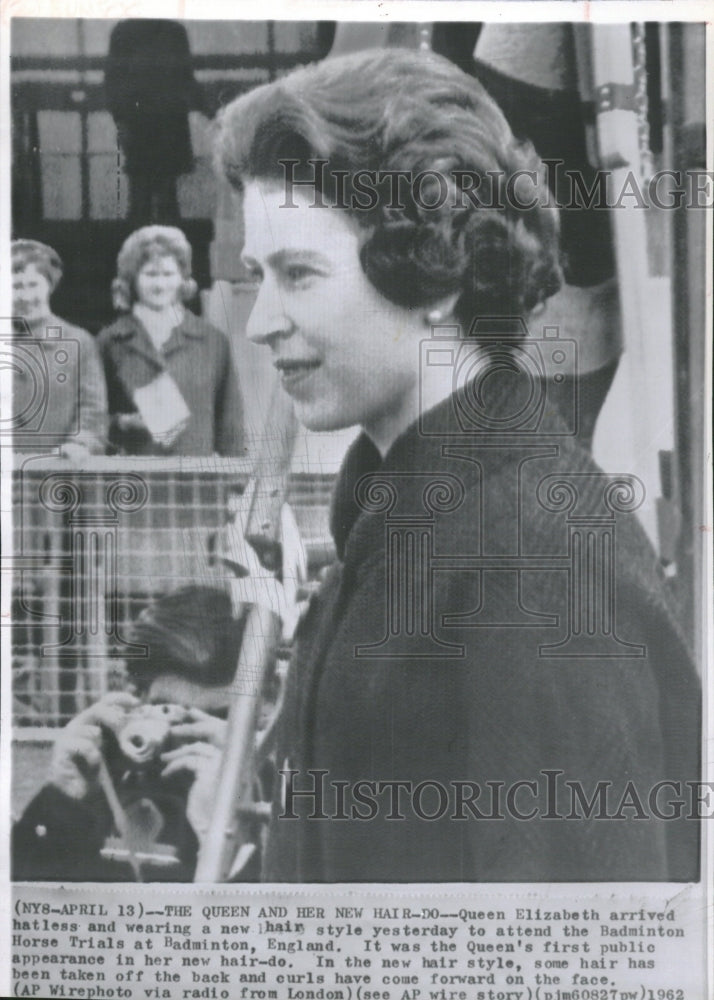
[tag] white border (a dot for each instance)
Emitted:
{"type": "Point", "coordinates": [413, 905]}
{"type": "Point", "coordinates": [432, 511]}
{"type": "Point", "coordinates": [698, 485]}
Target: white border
{"type": "Point", "coordinates": [599, 11]}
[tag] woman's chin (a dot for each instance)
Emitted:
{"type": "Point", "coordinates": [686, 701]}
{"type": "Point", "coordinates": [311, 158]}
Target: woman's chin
{"type": "Point", "coordinates": [33, 316]}
{"type": "Point", "coordinates": [158, 305]}
{"type": "Point", "coordinates": [322, 419]}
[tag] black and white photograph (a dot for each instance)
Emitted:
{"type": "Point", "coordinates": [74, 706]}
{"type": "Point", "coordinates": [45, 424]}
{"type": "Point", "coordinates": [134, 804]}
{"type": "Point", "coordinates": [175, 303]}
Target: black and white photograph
{"type": "Point", "coordinates": [356, 497]}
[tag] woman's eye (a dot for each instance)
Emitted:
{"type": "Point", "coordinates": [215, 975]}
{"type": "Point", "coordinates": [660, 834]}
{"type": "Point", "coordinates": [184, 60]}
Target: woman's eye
{"type": "Point", "coordinates": [296, 273]}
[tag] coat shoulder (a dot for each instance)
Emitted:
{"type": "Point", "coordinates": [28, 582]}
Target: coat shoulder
{"type": "Point", "coordinates": [200, 326]}
{"type": "Point", "coordinates": [120, 328]}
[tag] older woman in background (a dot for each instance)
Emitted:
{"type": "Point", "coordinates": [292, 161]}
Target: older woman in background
{"type": "Point", "coordinates": [172, 386]}
{"type": "Point", "coordinates": [75, 394]}
{"type": "Point", "coordinates": [397, 260]}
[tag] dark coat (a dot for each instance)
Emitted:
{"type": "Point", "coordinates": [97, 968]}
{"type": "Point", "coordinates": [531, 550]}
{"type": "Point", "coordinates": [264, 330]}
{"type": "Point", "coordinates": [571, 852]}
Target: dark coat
{"type": "Point", "coordinates": [198, 357]}
{"type": "Point", "coordinates": [503, 709]}
{"type": "Point", "coordinates": [60, 839]}
{"type": "Point", "coordinates": [150, 88]}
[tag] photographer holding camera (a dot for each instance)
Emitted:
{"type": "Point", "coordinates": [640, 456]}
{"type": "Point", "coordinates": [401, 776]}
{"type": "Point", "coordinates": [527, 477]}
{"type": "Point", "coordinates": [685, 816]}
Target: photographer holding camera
{"type": "Point", "coordinates": [62, 366]}
{"type": "Point", "coordinates": [160, 747]}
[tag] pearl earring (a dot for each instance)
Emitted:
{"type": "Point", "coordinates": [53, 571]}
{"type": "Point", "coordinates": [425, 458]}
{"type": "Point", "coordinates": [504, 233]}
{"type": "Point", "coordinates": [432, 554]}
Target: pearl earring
{"type": "Point", "coordinates": [433, 317]}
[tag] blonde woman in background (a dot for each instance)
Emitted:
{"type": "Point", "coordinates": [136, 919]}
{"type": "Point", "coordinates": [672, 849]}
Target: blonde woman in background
{"type": "Point", "coordinates": [172, 386]}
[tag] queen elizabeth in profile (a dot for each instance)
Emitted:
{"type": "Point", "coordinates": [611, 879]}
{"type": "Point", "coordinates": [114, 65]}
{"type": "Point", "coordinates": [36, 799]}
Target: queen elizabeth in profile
{"type": "Point", "coordinates": [434, 666]}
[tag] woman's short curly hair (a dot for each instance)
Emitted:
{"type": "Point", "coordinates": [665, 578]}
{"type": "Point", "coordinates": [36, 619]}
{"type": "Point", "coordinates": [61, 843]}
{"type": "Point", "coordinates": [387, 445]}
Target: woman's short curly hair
{"type": "Point", "coordinates": [144, 244]}
{"type": "Point", "coordinates": [401, 110]}
{"type": "Point", "coordinates": [48, 262]}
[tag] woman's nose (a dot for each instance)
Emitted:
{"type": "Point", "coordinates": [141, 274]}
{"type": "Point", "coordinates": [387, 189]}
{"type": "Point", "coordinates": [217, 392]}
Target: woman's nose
{"type": "Point", "coordinates": [268, 319]}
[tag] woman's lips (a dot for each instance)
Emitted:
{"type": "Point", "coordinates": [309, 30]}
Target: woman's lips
{"type": "Point", "coordinates": [294, 371]}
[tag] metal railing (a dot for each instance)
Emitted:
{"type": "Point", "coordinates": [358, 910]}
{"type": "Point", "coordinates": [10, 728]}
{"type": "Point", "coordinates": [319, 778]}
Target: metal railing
{"type": "Point", "coordinates": [92, 545]}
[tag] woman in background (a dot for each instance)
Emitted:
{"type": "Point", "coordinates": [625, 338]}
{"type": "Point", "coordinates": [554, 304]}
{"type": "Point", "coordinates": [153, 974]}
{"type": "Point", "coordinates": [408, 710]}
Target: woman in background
{"type": "Point", "coordinates": [75, 394]}
{"type": "Point", "coordinates": [172, 386]}
{"type": "Point", "coordinates": [394, 289]}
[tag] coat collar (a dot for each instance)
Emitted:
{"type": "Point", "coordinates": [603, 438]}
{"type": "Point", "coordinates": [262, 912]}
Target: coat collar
{"type": "Point", "coordinates": [36, 329]}
{"type": "Point", "coordinates": [130, 333]}
{"type": "Point", "coordinates": [419, 447]}
{"type": "Point", "coordinates": [128, 327]}
{"type": "Point", "coordinates": [432, 443]}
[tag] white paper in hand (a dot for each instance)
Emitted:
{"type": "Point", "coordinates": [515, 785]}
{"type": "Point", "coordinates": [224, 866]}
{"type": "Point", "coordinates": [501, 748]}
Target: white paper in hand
{"type": "Point", "coordinates": [162, 408]}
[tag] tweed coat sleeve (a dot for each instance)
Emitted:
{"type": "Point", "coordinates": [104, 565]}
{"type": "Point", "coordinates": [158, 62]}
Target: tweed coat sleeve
{"type": "Point", "coordinates": [502, 752]}
{"type": "Point", "coordinates": [482, 727]}
{"type": "Point", "coordinates": [507, 731]}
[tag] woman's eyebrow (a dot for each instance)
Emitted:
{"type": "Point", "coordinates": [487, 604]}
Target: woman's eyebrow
{"type": "Point", "coordinates": [289, 255]}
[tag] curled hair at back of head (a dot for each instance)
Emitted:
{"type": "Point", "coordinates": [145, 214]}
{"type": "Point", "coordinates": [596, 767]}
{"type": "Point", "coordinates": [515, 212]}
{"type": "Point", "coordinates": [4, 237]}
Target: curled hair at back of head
{"type": "Point", "coordinates": [402, 110]}
{"type": "Point", "coordinates": [143, 245]}
{"type": "Point", "coordinates": [48, 262]}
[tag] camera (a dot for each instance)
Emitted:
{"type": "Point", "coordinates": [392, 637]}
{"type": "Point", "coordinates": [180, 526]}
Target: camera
{"type": "Point", "coordinates": [146, 731]}
{"type": "Point", "coordinates": [45, 373]}
{"type": "Point", "coordinates": [504, 381]}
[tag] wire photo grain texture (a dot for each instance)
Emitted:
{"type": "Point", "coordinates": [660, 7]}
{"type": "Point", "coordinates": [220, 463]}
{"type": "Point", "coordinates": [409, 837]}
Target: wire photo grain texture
{"type": "Point", "coordinates": [355, 453]}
